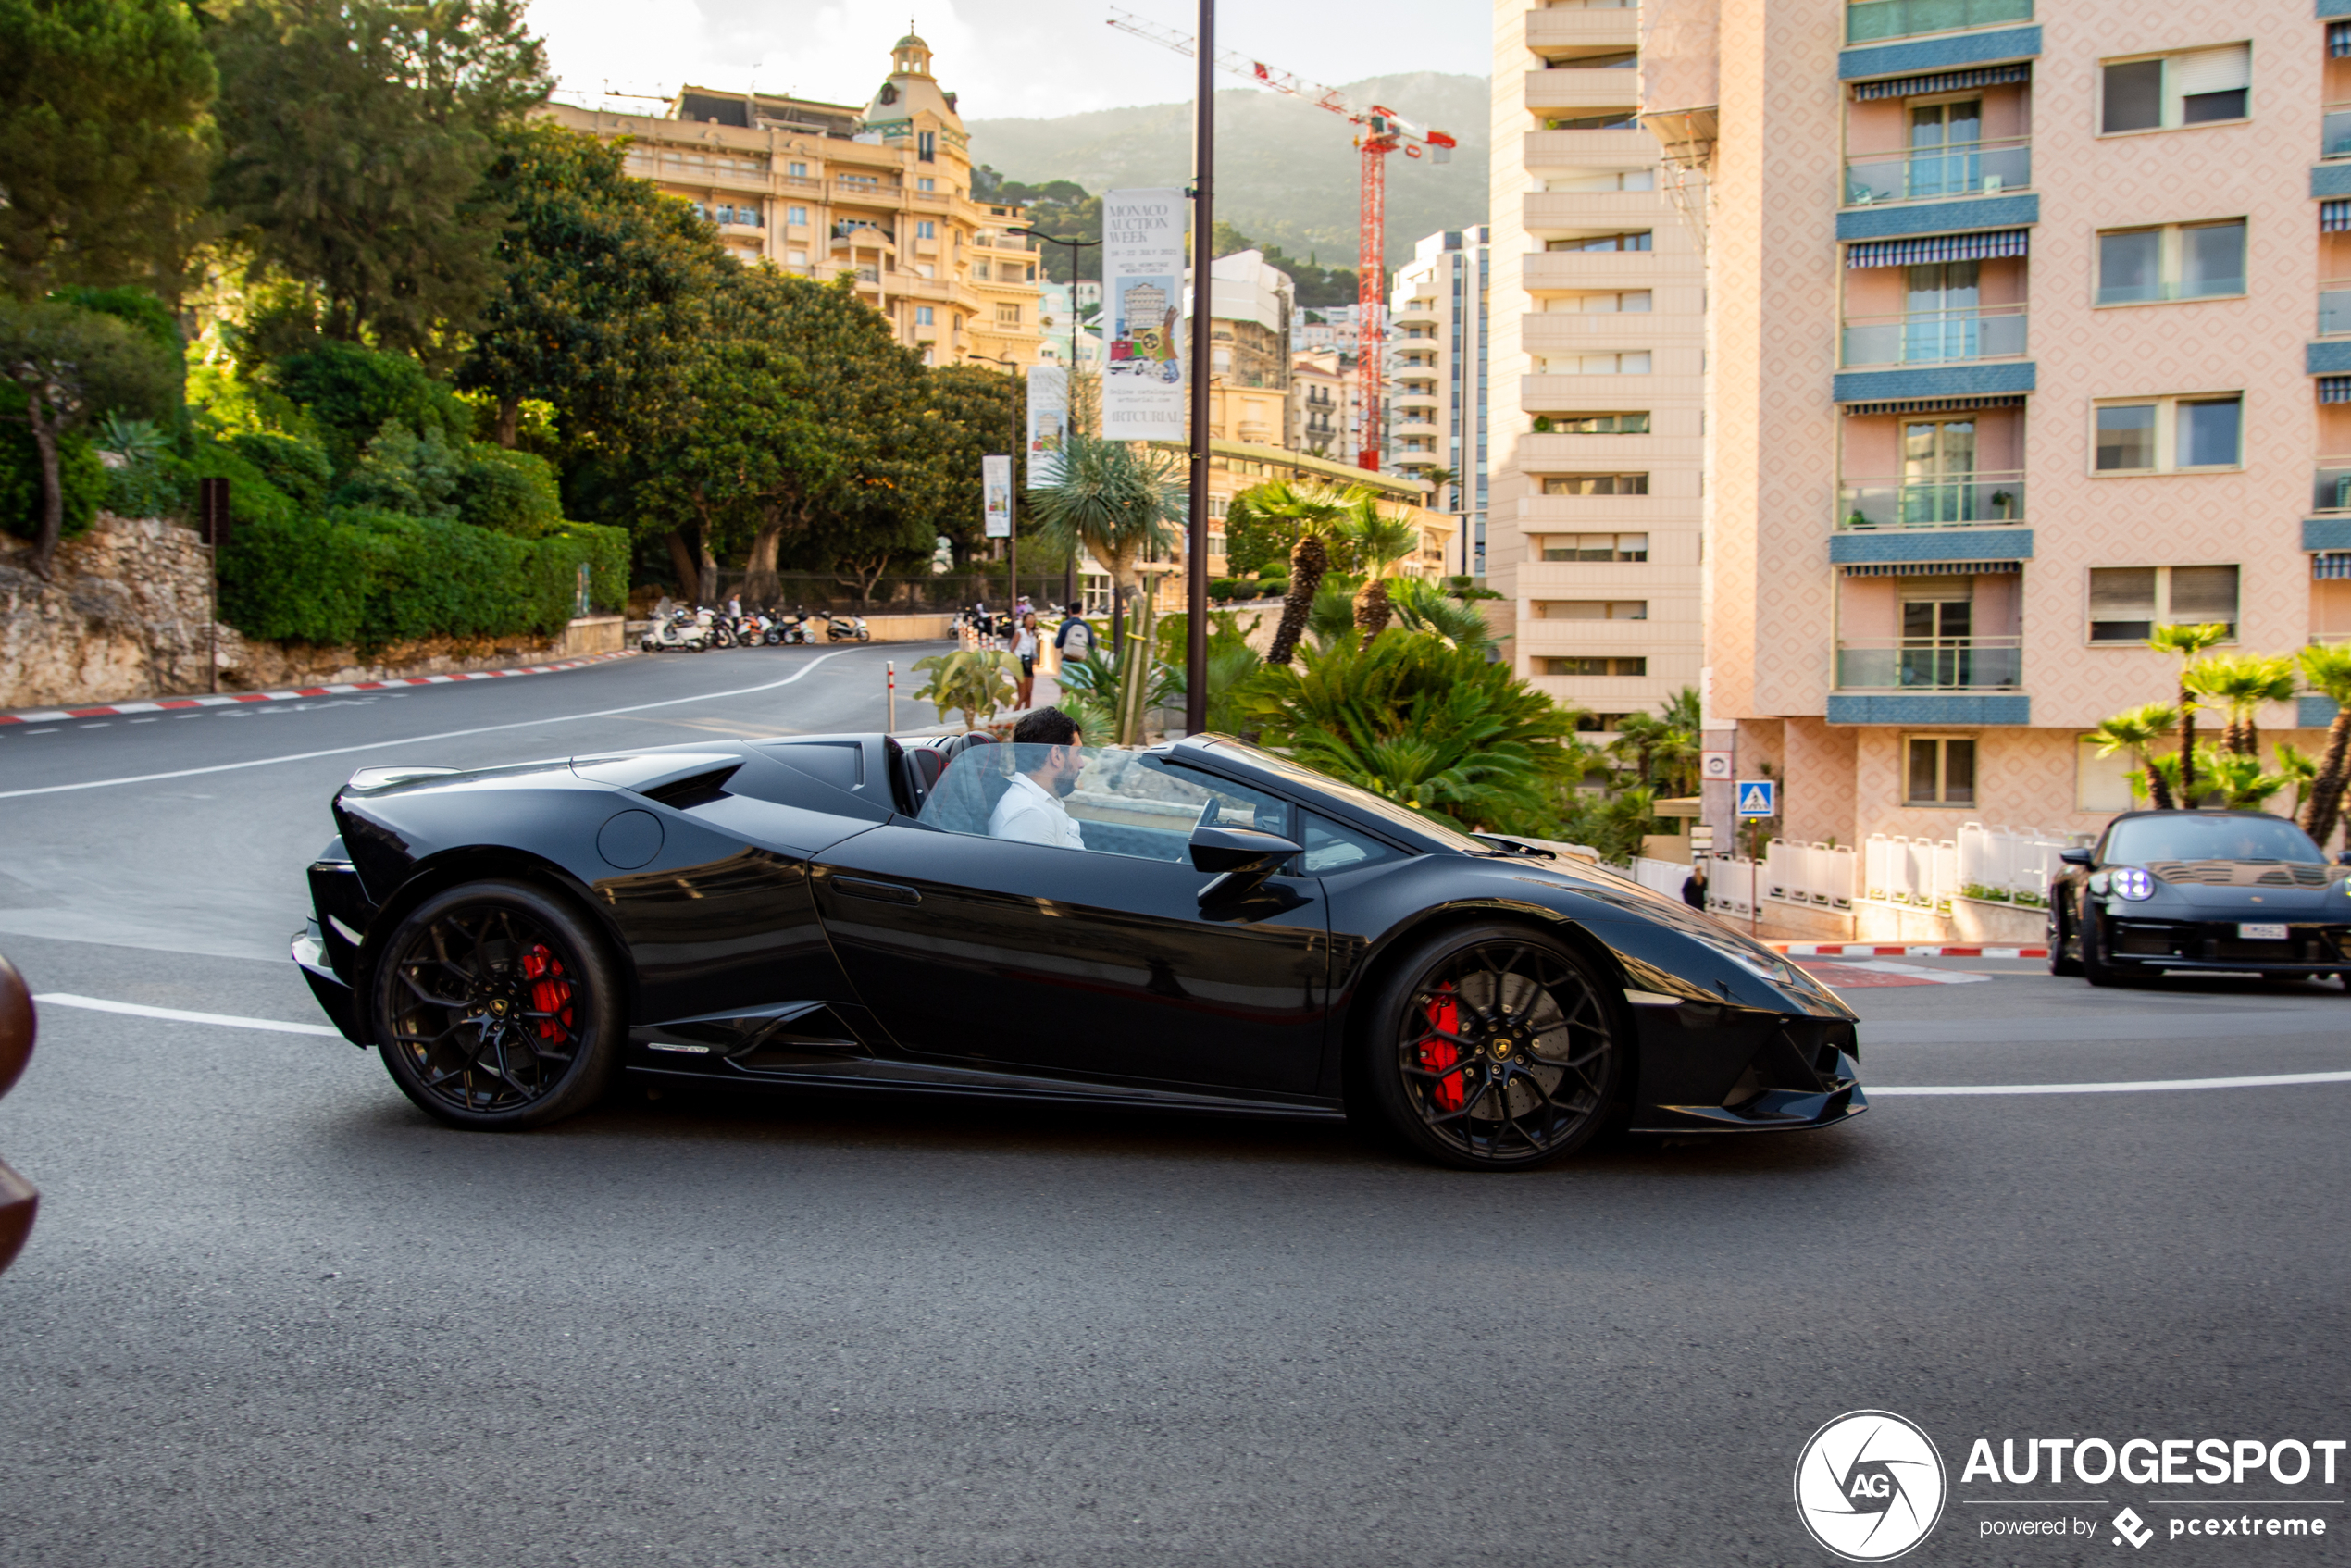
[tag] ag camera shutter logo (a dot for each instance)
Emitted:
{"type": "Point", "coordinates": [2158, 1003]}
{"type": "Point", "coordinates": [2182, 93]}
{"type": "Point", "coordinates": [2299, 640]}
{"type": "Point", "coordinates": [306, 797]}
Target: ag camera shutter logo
{"type": "Point", "coordinates": [1870, 1485]}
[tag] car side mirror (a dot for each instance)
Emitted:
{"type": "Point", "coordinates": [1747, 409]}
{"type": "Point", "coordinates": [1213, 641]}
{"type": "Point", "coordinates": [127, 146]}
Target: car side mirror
{"type": "Point", "coordinates": [2343, 857]}
{"type": "Point", "coordinates": [2076, 857]}
{"type": "Point", "coordinates": [1242, 859]}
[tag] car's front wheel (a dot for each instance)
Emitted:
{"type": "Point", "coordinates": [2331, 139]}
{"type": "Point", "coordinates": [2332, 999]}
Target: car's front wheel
{"type": "Point", "coordinates": [496, 1007]}
{"type": "Point", "coordinates": [1493, 1048]}
{"type": "Point", "coordinates": [2060, 961]}
{"type": "Point", "coordinates": [2094, 966]}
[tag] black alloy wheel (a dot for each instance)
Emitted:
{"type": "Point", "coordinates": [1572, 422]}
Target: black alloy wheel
{"type": "Point", "coordinates": [496, 1007]}
{"type": "Point", "coordinates": [1495, 1048]}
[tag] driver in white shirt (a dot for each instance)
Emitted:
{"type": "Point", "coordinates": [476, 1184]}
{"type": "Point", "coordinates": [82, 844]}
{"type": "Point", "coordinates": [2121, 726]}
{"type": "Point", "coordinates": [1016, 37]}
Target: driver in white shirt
{"type": "Point", "coordinates": [1031, 810]}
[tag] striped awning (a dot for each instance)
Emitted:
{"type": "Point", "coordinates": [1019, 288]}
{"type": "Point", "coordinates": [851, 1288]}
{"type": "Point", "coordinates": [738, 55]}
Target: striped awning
{"type": "Point", "coordinates": [2339, 39]}
{"type": "Point", "coordinates": [1938, 247]}
{"type": "Point", "coordinates": [2330, 566]}
{"type": "Point", "coordinates": [1946, 82]}
{"type": "Point", "coordinates": [1942, 404]}
{"type": "Point", "coordinates": [2334, 216]}
{"type": "Point", "coordinates": [2334, 389]}
{"type": "Point", "coordinates": [1934, 568]}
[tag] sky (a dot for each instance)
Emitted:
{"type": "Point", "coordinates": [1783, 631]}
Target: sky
{"type": "Point", "coordinates": [1006, 58]}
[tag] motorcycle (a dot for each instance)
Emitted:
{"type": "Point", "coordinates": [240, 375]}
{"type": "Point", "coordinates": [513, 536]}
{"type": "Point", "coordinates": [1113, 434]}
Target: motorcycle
{"type": "Point", "coordinates": [717, 627]}
{"type": "Point", "coordinates": [680, 630]}
{"type": "Point", "coordinates": [753, 628]}
{"type": "Point", "coordinates": [793, 627]}
{"type": "Point", "coordinates": [847, 629]}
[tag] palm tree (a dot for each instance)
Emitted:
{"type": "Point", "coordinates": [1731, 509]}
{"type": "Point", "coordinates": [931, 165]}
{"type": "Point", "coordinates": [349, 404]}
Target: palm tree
{"type": "Point", "coordinates": [2327, 666]}
{"type": "Point", "coordinates": [2241, 683]}
{"type": "Point", "coordinates": [2187, 641]}
{"type": "Point", "coordinates": [1114, 499]}
{"type": "Point", "coordinates": [1382, 545]}
{"type": "Point", "coordinates": [1421, 606]}
{"type": "Point", "coordinates": [2136, 731]}
{"type": "Point", "coordinates": [1316, 512]}
{"type": "Point", "coordinates": [2299, 768]}
{"type": "Point", "coordinates": [2242, 784]}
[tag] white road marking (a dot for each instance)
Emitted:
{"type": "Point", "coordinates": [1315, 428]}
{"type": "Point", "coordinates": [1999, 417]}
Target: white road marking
{"type": "Point", "coordinates": [410, 740]}
{"type": "Point", "coordinates": [1915, 971]}
{"type": "Point", "coordinates": [179, 1015]}
{"type": "Point", "coordinates": [2143, 1086]}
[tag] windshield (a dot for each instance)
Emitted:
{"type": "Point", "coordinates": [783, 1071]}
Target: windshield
{"type": "Point", "coordinates": [1363, 800]}
{"type": "Point", "coordinates": [2191, 836]}
{"type": "Point", "coordinates": [1098, 797]}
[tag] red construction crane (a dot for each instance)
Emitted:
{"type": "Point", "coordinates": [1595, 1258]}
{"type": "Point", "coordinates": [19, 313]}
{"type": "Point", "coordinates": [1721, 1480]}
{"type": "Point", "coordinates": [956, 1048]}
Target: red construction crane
{"type": "Point", "coordinates": [1380, 132]}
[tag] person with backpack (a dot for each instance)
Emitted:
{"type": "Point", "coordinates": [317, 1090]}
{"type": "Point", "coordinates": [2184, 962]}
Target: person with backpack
{"type": "Point", "coordinates": [1074, 640]}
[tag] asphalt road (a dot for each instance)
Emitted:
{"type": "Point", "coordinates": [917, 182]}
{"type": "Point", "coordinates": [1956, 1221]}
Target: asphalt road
{"type": "Point", "coordinates": [273, 1315]}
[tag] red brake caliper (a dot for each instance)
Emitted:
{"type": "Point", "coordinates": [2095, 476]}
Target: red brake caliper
{"type": "Point", "coordinates": [550, 993]}
{"type": "Point", "coordinates": [1437, 1055]}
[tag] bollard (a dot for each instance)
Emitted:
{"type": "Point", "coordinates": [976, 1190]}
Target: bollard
{"type": "Point", "coordinates": [890, 721]}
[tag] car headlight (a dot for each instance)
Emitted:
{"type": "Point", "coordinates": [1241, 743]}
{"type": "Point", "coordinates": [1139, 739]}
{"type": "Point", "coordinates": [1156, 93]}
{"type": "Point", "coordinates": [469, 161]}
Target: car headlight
{"type": "Point", "coordinates": [2131, 882]}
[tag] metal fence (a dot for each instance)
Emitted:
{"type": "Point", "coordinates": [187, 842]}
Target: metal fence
{"type": "Point", "coordinates": [1820, 874]}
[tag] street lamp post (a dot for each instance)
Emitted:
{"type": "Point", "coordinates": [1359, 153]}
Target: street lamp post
{"type": "Point", "coordinates": [1203, 295]}
{"type": "Point", "coordinates": [1069, 381]}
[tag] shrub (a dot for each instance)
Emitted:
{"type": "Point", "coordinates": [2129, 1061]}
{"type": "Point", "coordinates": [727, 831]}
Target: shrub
{"type": "Point", "coordinates": [350, 393]}
{"type": "Point", "coordinates": [1273, 587]}
{"type": "Point", "coordinates": [1223, 590]}
{"type": "Point", "coordinates": [511, 491]}
{"type": "Point", "coordinates": [83, 475]}
{"type": "Point", "coordinates": [301, 468]}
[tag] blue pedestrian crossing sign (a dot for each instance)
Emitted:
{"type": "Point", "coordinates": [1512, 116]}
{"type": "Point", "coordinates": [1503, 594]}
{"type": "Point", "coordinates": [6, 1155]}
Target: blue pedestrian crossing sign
{"type": "Point", "coordinates": [1759, 797]}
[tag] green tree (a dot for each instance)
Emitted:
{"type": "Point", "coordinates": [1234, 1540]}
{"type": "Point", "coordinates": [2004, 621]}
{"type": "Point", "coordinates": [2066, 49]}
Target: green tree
{"type": "Point", "coordinates": [2138, 730]}
{"type": "Point", "coordinates": [1381, 542]}
{"type": "Point", "coordinates": [103, 114]}
{"type": "Point", "coordinates": [969, 411]}
{"type": "Point", "coordinates": [1115, 499]}
{"type": "Point", "coordinates": [356, 136]}
{"type": "Point", "coordinates": [1421, 606]}
{"type": "Point", "coordinates": [1310, 516]}
{"type": "Point", "coordinates": [602, 287]}
{"type": "Point", "coordinates": [2241, 683]}
{"type": "Point", "coordinates": [2187, 641]}
{"type": "Point", "coordinates": [2327, 666]}
{"type": "Point", "coordinates": [67, 367]}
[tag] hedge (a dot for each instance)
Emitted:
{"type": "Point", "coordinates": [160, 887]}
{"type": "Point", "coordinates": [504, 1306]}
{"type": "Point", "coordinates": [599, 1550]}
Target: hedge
{"type": "Point", "coordinates": [369, 578]}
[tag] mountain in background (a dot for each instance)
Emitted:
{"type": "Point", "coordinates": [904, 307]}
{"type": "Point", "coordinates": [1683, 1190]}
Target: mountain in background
{"type": "Point", "coordinates": [1286, 173]}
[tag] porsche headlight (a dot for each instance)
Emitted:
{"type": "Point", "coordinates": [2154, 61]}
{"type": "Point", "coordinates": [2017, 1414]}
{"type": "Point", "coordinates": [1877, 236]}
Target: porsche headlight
{"type": "Point", "coordinates": [2131, 882]}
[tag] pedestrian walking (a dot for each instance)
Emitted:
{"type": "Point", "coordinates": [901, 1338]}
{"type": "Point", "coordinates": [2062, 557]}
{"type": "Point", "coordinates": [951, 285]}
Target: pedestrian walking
{"type": "Point", "coordinates": [1024, 649]}
{"type": "Point", "coordinates": [1074, 640]}
{"type": "Point", "coordinates": [1694, 887]}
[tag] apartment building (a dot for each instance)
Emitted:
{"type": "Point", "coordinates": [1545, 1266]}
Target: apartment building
{"type": "Point", "coordinates": [882, 193]}
{"type": "Point", "coordinates": [1437, 370]}
{"type": "Point", "coordinates": [1326, 416]}
{"type": "Point", "coordinates": [2026, 338]}
{"type": "Point", "coordinates": [1596, 305]}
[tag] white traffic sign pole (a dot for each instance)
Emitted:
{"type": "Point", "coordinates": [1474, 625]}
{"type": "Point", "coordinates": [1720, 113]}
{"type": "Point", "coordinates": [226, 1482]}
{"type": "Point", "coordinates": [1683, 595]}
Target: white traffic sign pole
{"type": "Point", "coordinates": [889, 723]}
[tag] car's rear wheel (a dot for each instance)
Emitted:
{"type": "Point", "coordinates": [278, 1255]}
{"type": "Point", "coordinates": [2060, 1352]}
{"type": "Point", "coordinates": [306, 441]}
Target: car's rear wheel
{"type": "Point", "coordinates": [497, 1007]}
{"type": "Point", "coordinates": [1493, 1048]}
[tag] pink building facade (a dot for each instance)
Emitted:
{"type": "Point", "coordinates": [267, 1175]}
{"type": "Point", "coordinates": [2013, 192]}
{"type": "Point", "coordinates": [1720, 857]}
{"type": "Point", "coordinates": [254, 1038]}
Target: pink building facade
{"type": "Point", "coordinates": [2021, 338]}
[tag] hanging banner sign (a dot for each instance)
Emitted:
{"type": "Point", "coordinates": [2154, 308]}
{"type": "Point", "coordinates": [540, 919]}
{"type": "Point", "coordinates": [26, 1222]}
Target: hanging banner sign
{"type": "Point", "coordinates": [1143, 307]}
{"type": "Point", "coordinates": [1048, 414]}
{"type": "Point", "coordinates": [996, 491]}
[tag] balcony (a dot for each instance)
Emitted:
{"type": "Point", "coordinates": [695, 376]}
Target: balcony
{"type": "Point", "coordinates": [2330, 486]}
{"type": "Point", "coordinates": [1550, 30]}
{"type": "Point", "coordinates": [1936, 337]}
{"type": "Point", "coordinates": [1415, 310]}
{"type": "Point", "coordinates": [2335, 131]}
{"type": "Point", "coordinates": [1872, 21]}
{"type": "Point", "coordinates": [1978, 501]}
{"type": "Point", "coordinates": [871, 192]}
{"type": "Point", "coordinates": [1930, 664]}
{"type": "Point", "coordinates": [1976, 169]}
{"type": "Point", "coordinates": [1560, 272]}
{"type": "Point", "coordinates": [2334, 308]}
{"type": "Point", "coordinates": [1590, 91]}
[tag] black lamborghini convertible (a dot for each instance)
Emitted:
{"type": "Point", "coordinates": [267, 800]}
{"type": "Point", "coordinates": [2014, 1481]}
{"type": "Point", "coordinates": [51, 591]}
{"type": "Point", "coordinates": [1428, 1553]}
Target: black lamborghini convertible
{"type": "Point", "coordinates": [1200, 924]}
{"type": "Point", "coordinates": [2237, 890]}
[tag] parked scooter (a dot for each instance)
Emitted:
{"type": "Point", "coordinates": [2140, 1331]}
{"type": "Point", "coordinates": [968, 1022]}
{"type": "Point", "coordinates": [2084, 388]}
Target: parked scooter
{"type": "Point", "coordinates": [752, 629]}
{"type": "Point", "coordinates": [847, 629]}
{"type": "Point", "coordinates": [794, 628]}
{"type": "Point", "coordinates": [717, 627]}
{"type": "Point", "coordinates": [678, 631]}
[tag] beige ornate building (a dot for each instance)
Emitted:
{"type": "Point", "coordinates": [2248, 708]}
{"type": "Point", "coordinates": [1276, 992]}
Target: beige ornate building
{"type": "Point", "coordinates": [882, 193]}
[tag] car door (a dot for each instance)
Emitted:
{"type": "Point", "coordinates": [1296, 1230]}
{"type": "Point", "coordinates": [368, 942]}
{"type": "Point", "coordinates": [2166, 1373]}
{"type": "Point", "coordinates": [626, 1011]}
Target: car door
{"type": "Point", "coordinates": [1095, 961]}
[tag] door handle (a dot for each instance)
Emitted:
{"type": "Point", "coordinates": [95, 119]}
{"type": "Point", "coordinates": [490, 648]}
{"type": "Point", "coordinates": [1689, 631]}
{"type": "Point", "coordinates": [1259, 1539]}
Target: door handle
{"type": "Point", "coordinates": [881, 892]}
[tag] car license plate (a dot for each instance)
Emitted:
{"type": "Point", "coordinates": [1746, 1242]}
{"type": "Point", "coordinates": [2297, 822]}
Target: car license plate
{"type": "Point", "coordinates": [2261, 933]}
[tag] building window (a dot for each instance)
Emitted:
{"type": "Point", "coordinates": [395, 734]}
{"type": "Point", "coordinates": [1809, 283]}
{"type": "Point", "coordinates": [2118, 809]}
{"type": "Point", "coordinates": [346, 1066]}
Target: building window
{"type": "Point", "coordinates": [795, 215]}
{"type": "Point", "coordinates": [1613, 119]}
{"type": "Point", "coordinates": [979, 270]}
{"type": "Point", "coordinates": [2167, 435]}
{"type": "Point", "coordinates": [1594, 364]}
{"type": "Point", "coordinates": [1592, 424]}
{"type": "Point", "coordinates": [796, 258]}
{"type": "Point", "coordinates": [1941, 771]}
{"type": "Point", "coordinates": [1592, 546]}
{"type": "Point", "coordinates": [2196, 87]}
{"type": "Point", "coordinates": [1591, 609]}
{"type": "Point", "coordinates": [1588, 664]}
{"type": "Point", "coordinates": [1634, 241]}
{"type": "Point", "coordinates": [1868, 20]}
{"type": "Point", "coordinates": [2128, 603]}
{"type": "Point", "coordinates": [2178, 261]}
{"type": "Point", "coordinates": [926, 146]}
{"type": "Point", "coordinates": [1596, 484]}
{"type": "Point", "coordinates": [924, 316]}
{"type": "Point", "coordinates": [925, 229]}
{"type": "Point", "coordinates": [799, 171]}
{"type": "Point", "coordinates": [1629, 301]}
{"type": "Point", "coordinates": [1008, 315]}
{"type": "Point", "coordinates": [925, 183]}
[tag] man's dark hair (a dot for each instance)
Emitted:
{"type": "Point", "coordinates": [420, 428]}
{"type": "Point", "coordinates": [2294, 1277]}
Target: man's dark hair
{"type": "Point", "coordinates": [1045, 727]}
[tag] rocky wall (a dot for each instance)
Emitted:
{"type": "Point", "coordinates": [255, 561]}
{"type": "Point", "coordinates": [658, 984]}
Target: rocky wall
{"type": "Point", "coordinates": [124, 616]}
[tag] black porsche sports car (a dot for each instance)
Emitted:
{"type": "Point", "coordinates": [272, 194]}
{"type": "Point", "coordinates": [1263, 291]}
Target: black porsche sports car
{"type": "Point", "coordinates": [2237, 890]}
{"type": "Point", "coordinates": [1201, 923]}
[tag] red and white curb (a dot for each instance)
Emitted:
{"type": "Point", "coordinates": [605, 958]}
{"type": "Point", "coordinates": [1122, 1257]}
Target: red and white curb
{"type": "Point", "coordinates": [169, 704]}
{"type": "Point", "coordinates": [1847, 950]}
